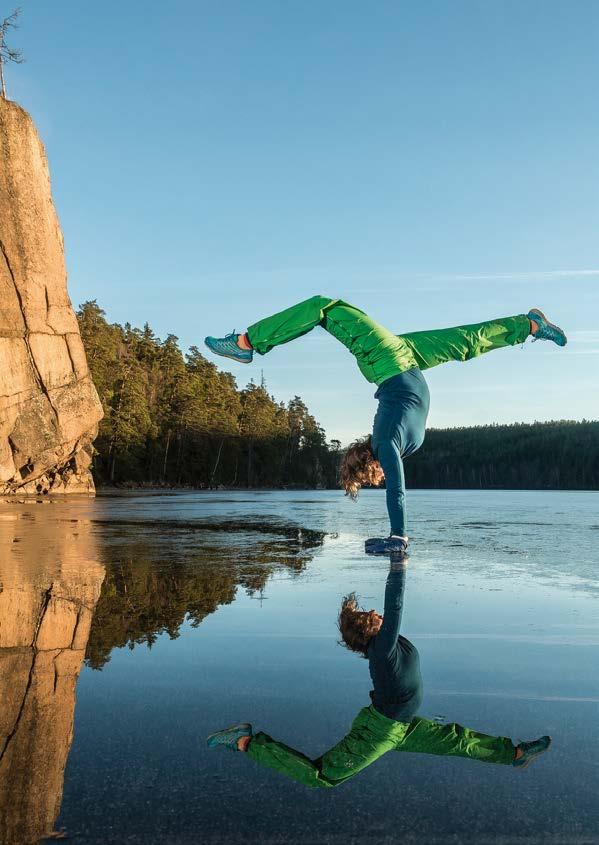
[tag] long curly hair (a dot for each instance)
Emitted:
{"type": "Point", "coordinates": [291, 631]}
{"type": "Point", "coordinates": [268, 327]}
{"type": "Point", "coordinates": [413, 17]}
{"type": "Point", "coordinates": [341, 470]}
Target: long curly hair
{"type": "Point", "coordinates": [357, 627]}
{"type": "Point", "coordinates": [357, 466]}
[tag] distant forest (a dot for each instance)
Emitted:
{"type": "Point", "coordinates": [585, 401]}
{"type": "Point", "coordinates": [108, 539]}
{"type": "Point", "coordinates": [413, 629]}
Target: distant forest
{"type": "Point", "coordinates": [176, 419]}
{"type": "Point", "coordinates": [533, 456]}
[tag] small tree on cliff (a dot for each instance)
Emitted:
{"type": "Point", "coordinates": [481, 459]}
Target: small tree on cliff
{"type": "Point", "coordinates": [8, 54]}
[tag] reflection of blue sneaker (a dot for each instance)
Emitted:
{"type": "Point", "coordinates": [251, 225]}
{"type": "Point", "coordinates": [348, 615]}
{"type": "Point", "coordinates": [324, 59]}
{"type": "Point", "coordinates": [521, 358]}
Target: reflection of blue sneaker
{"type": "Point", "coordinates": [546, 330]}
{"type": "Point", "coordinates": [385, 546]}
{"type": "Point", "coordinates": [227, 346]}
{"type": "Point", "coordinates": [531, 750]}
{"type": "Point", "coordinates": [229, 736]}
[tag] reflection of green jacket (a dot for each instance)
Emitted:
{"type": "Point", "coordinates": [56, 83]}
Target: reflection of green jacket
{"type": "Point", "coordinates": [371, 736]}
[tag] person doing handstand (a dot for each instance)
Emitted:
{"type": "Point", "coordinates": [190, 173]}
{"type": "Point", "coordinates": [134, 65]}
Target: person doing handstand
{"type": "Point", "coordinates": [390, 722]}
{"type": "Point", "coordinates": [395, 364]}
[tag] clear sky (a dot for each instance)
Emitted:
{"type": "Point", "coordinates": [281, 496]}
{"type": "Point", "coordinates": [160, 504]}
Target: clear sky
{"type": "Point", "coordinates": [435, 163]}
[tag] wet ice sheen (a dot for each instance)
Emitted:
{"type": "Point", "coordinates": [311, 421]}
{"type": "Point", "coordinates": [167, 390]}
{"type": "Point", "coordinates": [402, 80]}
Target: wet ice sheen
{"type": "Point", "coordinates": [190, 611]}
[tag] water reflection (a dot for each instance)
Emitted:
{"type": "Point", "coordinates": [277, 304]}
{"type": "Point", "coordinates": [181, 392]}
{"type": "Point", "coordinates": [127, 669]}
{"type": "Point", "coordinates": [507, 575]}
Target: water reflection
{"type": "Point", "coordinates": [78, 587]}
{"type": "Point", "coordinates": [138, 770]}
{"type": "Point", "coordinates": [390, 723]}
{"type": "Point", "coordinates": [181, 571]}
{"type": "Point", "coordinates": [49, 585]}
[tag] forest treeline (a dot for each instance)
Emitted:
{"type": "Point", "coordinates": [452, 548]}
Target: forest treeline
{"type": "Point", "coordinates": [544, 455]}
{"type": "Point", "coordinates": [176, 419]}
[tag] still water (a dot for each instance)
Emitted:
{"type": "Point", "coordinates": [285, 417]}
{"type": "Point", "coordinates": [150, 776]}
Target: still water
{"type": "Point", "coordinates": [132, 626]}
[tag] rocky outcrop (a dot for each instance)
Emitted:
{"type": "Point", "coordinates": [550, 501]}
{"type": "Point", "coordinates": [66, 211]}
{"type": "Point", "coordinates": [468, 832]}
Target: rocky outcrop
{"type": "Point", "coordinates": [49, 408]}
{"type": "Point", "coordinates": [50, 580]}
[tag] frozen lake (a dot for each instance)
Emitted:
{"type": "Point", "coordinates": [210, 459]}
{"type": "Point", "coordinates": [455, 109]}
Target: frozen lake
{"type": "Point", "coordinates": [237, 594]}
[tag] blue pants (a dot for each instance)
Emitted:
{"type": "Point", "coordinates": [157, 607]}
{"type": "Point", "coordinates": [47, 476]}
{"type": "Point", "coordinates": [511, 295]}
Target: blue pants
{"type": "Point", "coordinates": [398, 431]}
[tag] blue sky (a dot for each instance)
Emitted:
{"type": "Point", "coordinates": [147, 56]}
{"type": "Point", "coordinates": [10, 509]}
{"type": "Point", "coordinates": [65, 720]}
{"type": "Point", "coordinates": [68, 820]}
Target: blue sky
{"type": "Point", "coordinates": [435, 163]}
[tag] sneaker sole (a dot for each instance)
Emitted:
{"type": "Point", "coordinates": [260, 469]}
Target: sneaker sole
{"type": "Point", "coordinates": [226, 355]}
{"type": "Point", "coordinates": [227, 730]}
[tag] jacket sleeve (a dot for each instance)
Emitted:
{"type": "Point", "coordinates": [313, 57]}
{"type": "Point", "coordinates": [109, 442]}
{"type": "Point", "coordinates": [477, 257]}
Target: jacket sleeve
{"type": "Point", "coordinates": [386, 639]}
{"type": "Point", "coordinates": [392, 465]}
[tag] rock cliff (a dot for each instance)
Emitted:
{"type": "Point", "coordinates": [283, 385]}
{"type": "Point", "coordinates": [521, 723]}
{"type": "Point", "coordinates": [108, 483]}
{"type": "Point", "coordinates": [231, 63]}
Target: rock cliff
{"type": "Point", "coordinates": [50, 580]}
{"type": "Point", "coordinates": [49, 408]}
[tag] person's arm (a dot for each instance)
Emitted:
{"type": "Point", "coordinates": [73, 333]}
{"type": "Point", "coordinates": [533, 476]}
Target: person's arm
{"type": "Point", "coordinates": [389, 458]}
{"type": "Point", "coordinates": [386, 639]}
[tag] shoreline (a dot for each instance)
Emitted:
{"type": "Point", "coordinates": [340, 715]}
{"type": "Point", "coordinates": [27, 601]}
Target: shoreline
{"type": "Point", "coordinates": [158, 488]}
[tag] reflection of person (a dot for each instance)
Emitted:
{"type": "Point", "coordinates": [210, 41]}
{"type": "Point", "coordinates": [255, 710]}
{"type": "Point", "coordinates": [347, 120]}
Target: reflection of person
{"type": "Point", "coordinates": [395, 364]}
{"type": "Point", "coordinates": [389, 723]}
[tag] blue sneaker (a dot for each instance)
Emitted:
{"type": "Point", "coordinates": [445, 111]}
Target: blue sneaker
{"type": "Point", "coordinates": [547, 330]}
{"type": "Point", "coordinates": [385, 546]}
{"type": "Point", "coordinates": [229, 736]}
{"type": "Point", "coordinates": [228, 348]}
{"type": "Point", "coordinates": [531, 750]}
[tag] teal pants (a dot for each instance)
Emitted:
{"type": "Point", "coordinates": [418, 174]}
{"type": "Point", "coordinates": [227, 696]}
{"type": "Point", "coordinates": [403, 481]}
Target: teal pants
{"type": "Point", "coordinates": [371, 736]}
{"type": "Point", "coordinates": [380, 354]}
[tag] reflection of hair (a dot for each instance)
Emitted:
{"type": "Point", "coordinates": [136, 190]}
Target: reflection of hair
{"type": "Point", "coordinates": [357, 627]}
{"type": "Point", "coordinates": [357, 466]}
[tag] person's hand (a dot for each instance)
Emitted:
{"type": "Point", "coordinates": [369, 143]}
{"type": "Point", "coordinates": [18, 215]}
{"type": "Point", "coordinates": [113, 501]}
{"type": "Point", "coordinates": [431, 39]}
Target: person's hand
{"type": "Point", "coordinates": [394, 544]}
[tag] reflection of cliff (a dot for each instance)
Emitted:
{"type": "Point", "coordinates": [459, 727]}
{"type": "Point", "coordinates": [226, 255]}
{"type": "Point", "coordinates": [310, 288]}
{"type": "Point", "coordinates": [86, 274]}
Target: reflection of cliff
{"type": "Point", "coordinates": [184, 570]}
{"type": "Point", "coordinates": [50, 580]}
